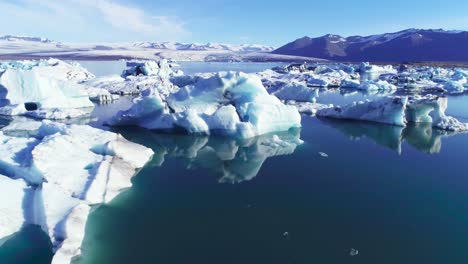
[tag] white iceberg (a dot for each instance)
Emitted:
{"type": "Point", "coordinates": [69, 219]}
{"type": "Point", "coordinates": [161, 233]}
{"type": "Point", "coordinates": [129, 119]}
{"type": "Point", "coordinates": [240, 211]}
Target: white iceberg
{"type": "Point", "coordinates": [140, 76]}
{"type": "Point", "coordinates": [366, 67]}
{"type": "Point", "coordinates": [399, 111]}
{"type": "Point", "coordinates": [296, 91]}
{"type": "Point", "coordinates": [69, 167]}
{"type": "Point", "coordinates": [224, 103]}
{"type": "Point", "coordinates": [388, 110]}
{"type": "Point", "coordinates": [46, 84]}
{"type": "Point", "coordinates": [431, 109]}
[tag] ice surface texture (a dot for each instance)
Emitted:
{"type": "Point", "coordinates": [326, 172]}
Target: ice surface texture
{"type": "Point", "coordinates": [48, 85]}
{"type": "Point", "coordinates": [54, 172]}
{"type": "Point", "coordinates": [399, 110]}
{"type": "Point", "coordinates": [224, 103]}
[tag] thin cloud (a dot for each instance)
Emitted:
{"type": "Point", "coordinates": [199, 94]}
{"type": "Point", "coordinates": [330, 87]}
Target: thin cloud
{"type": "Point", "coordinates": [94, 17]}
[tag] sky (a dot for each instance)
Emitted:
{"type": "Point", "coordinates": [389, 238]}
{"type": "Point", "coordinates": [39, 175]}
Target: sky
{"type": "Point", "coordinates": [265, 22]}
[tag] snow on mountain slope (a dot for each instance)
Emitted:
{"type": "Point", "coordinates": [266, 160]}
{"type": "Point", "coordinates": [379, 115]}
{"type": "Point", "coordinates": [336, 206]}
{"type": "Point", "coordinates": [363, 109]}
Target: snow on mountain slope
{"type": "Point", "coordinates": [406, 45]}
{"type": "Point", "coordinates": [13, 47]}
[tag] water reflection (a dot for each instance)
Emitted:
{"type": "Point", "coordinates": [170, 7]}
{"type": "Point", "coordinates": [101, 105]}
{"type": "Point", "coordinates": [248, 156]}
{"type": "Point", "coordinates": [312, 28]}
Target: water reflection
{"type": "Point", "coordinates": [422, 136]}
{"type": "Point", "coordinates": [234, 160]}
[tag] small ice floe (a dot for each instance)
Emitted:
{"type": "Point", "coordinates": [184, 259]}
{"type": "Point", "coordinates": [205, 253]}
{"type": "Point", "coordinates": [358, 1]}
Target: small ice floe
{"type": "Point", "coordinates": [323, 154]}
{"type": "Point", "coordinates": [353, 252]}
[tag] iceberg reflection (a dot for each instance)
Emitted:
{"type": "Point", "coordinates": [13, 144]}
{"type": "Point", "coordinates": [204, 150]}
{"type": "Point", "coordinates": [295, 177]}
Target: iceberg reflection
{"type": "Point", "coordinates": [421, 136]}
{"type": "Point", "coordinates": [235, 160]}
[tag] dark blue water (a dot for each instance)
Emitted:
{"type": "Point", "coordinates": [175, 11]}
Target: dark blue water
{"type": "Point", "coordinates": [30, 245]}
{"type": "Point", "coordinates": [396, 195]}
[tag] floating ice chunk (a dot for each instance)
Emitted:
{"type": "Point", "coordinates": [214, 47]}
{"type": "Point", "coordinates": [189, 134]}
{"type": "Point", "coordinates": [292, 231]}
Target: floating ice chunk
{"type": "Point", "coordinates": [42, 85]}
{"type": "Point", "coordinates": [399, 111]}
{"type": "Point", "coordinates": [366, 67]}
{"type": "Point", "coordinates": [353, 252]}
{"type": "Point", "coordinates": [85, 146]}
{"type": "Point", "coordinates": [224, 103]}
{"type": "Point", "coordinates": [148, 68]}
{"type": "Point", "coordinates": [147, 75]}
{"type": "Point", "coordinates": [98, 166]}
{"type": "Point", "coordinates": [296, 91]}
{"type": "Point", "coordinates": [431, 109]}
{"type": "Point", "coordinates": [388, 110]}
{"type": "Point", "coordinates": [323, 154]}
{"type": "Point", "coordinates": [100, 95]}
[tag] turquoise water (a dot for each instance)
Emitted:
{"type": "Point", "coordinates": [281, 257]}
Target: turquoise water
{"type": "Point", "coordinates": [397, 195]}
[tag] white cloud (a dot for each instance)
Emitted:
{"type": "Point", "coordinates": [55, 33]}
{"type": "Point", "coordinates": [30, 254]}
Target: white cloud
{"type": "Point", "coordinates": [92, 17]}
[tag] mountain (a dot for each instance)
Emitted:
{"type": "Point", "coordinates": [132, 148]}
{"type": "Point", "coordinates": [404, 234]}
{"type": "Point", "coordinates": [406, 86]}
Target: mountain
{"type": "Point", "coordinates": [17, 47]}
{"type": "Point", "coordinates": [206, 47]}
{"type": "Point", "coordinates": [22, 38]}
{"type": "Point", "coordinates": [408, 45]}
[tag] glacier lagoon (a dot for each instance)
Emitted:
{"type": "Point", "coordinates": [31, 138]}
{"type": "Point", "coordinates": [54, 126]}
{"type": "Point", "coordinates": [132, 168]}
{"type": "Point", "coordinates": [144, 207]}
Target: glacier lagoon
{"type": "Point", "coordinates": [395, 194]}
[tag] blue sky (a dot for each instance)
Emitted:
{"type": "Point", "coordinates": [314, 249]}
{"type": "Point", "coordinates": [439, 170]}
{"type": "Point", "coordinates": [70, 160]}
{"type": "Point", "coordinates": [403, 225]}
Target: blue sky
{"type": "Point", "coordinates": [228, 21]}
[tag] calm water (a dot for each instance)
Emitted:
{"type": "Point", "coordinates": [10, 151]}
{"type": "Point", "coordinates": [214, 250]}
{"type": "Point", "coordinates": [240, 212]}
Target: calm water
{"type": "Point", "coordinates": [397, 195]}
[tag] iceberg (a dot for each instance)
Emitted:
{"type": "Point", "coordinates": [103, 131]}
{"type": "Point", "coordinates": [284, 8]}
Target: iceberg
{"type": "Point", "coordinates": [98, 165]}
{"type": "Point", "coordinates": [431, 109]}
{"type": "Point", "coordinates": [367, 77]}
{"type": "Point", "coordinates": [399, 111]}
{"type": "Point", "coordinates": [296, 91]}
{"type": "Point", "coordinates": [29, 86]}
{"type": "Point", "coordinates": [226, 103]}
{"type": "Point", "coordinates": [139, 76]}
{"type": "Point", "coordinates": [368, 85]}
{"type": "Point", "coordinates": [366, 67]}
{"type": "Point", "coordinates": [388, 110]}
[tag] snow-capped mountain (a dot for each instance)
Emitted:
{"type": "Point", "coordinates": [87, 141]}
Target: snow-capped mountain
{"type": "Point", "coordinates": [24, 38]}
{"type": "Point", "coordinates": [207, 46]}
{"type": "Point", "coordinates": [406, 45]}
{"type": "Point", "coordinates": [17, 47]}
